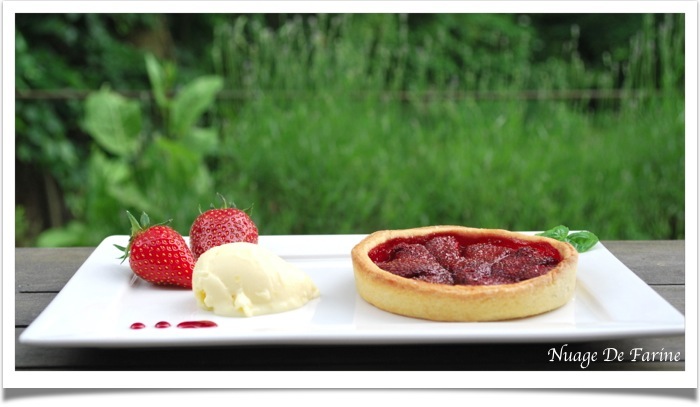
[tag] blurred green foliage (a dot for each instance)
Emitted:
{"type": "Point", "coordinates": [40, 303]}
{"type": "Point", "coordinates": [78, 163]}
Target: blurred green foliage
{"type": "Point", "coordinates": [351, 123]}
{"type": "Point", "coordinates": [132, 168]}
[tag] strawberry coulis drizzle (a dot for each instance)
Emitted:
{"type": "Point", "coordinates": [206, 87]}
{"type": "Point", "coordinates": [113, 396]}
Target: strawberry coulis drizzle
{"type": "Point", "coordinates": [184, 324]}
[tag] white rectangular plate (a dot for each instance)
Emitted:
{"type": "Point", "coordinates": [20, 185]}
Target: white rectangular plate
{"type": "Point", "coordinates": [101, 301]}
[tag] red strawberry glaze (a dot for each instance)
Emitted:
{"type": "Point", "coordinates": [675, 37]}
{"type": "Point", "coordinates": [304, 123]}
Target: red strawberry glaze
{"type": "Point", "coordinates": [197, 324]}
{"type": "Point", "coordinates": [184, 324]}
{"type": "Point", "coordinates": [486, 260]}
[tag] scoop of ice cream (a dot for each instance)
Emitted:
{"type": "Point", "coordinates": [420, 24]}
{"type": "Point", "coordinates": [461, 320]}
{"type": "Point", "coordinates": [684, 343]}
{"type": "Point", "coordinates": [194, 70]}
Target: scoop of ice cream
{"type": "Point", "coordinates": [245, 279]}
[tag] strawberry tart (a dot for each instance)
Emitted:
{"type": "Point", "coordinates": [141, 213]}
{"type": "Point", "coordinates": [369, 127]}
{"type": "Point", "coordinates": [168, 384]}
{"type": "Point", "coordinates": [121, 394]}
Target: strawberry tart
{"type": "Point", "coordinates": [456, 273]}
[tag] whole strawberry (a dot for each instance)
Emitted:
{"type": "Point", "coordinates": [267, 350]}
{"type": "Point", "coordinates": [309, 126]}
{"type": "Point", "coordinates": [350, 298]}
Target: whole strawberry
{"type": "Point", "coordinates": [158, 254]}
{"type": "Point", "coordinates": [218, 226]}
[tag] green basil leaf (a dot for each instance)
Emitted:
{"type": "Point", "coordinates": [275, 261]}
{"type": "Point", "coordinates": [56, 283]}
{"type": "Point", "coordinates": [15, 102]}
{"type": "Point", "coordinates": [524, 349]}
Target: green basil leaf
{"type": "Point", "coordinates": [558, 232]}
{"type": "Point", "coordinates": [582, 241]}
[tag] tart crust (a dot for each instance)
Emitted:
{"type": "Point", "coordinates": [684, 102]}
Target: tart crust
{"type": "Point", "coordinates": [442, 302]}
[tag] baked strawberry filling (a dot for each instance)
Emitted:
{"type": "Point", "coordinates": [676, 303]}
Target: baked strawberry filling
{"type": "Point", "coordinates": [458, 260]}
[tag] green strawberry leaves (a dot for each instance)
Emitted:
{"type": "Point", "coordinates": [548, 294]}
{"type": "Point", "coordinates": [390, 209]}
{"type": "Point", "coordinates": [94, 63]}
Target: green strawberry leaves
{"type": "Point", "coordinates": [226, 205]}
{"type": "Point", "coordinates": [582, 241]}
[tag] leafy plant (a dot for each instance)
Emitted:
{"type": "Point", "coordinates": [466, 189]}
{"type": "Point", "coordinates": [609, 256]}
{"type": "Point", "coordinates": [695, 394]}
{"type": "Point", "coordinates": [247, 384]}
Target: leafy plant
{"type": "Point", "coordinates": [157, 166]}
{"type": "Point", "coordinates": [348, 123]}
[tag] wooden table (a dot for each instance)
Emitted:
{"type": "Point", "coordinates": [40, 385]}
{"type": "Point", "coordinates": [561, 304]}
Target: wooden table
{"type": "Point", "coordinates": [41, 273]}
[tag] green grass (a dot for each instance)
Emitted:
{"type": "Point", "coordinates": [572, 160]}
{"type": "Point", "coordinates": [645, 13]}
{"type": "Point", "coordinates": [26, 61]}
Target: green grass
{"type": "Point", "coordinates": [333, 165]}
{"type": "Point", "coordinates": [321, 149]}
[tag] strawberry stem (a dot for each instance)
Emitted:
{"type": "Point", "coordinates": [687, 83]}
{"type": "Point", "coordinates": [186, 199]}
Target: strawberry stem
{"type": "Point", "coordinates": [145, 221]}
{"type": "Point", "coordinates": [226, 205]}
{"type": "Point", "coordinates": [135, 226]}
{"type": "Point", "coordinates": [135, 230]}
{"type": "Point", "coordinates": [223, 198]}
{"type": "Point", "coordinates": [249, 210]}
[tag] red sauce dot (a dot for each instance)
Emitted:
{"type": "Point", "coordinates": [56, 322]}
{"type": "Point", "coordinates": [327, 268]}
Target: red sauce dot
{"type": "Point", "coordinates": [137, 325]}
{"type": "Point", "coordinates": [163, 324]}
